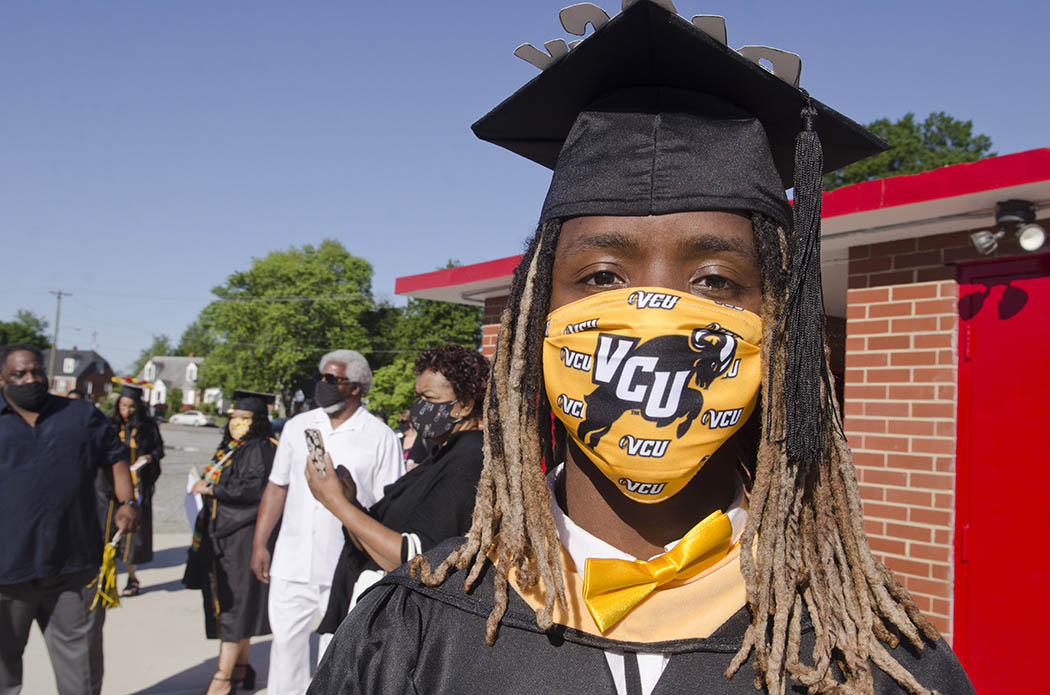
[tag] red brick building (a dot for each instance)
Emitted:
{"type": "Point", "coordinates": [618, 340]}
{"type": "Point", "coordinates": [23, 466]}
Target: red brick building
{"type": "Point", "coordinates": [941, 352]}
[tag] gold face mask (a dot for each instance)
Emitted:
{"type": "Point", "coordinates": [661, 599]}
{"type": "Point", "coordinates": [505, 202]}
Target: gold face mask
{"type": "Point", "coordinates": [239, 427]}
{"type": "Point", "coordinates": [649, 382]}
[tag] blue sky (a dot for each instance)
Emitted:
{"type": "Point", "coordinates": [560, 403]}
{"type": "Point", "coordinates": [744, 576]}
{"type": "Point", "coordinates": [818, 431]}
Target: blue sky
{"type": "Point", "coordinates": [149, 149]}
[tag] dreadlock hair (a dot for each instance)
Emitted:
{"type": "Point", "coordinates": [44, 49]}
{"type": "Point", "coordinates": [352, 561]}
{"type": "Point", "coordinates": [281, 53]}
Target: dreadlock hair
{"type": "Point", "coordinates": [804, 548]}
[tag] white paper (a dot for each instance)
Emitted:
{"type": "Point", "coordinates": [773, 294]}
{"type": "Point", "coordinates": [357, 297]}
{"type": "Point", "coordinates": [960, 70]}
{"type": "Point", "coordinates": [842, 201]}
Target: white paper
{"type": "Point", "coordinates": [194, 502]}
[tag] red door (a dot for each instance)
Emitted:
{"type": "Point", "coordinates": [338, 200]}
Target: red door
{"type": "Point", "coordinates": [1002, 558]}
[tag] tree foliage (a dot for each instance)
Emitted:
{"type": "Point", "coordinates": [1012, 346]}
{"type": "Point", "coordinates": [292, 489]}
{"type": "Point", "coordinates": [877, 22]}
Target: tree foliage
{"type": "Point", "coordinates": [27, 328]}
{"type": "Point", "coordinates": [160, 345]}
{"type": "Point", "coordinates": [393, 388]}
{"type": "Point", "coordinates": [274, 321]}
{"type": "Point", "coordinates": [270, 324]}
{"type": "Point", "coordinates": [938, 141]}
{"type": "Point", "coordinates": [197, 340]}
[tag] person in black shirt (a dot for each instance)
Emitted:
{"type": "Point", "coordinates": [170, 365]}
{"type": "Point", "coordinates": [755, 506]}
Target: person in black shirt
{"type": "Point", "coordinates": [142, 436]}
{"type": "Point", "coordinates": [50, 450]}
{"type": "Point", "coordinates": [431, 502]}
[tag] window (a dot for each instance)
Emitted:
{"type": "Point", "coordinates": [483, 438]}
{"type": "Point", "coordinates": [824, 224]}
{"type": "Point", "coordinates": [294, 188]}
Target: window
{"type": "Point", "coordinates": [191, 372]}
{"type": "Point", "coordinates": [69, 364]}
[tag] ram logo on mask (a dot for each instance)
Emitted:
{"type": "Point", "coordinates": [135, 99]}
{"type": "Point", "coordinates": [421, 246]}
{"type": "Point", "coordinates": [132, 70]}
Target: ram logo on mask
{"type": "Point", "coordinates": [654, 378]}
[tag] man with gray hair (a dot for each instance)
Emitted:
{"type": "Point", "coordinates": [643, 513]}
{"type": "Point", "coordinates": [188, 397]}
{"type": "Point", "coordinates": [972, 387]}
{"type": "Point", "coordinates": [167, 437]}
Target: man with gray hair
{"type": "Point", "coordinates": [311, 538]}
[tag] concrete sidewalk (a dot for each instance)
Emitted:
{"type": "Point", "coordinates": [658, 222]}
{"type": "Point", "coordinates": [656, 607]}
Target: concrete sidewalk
{"type": "Point", "coordinates": [154, 642]}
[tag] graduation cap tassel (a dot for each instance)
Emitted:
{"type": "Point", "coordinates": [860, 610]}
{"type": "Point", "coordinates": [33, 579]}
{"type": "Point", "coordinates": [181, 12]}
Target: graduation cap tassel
{"type": "Point", "coordinates": [805, 390]}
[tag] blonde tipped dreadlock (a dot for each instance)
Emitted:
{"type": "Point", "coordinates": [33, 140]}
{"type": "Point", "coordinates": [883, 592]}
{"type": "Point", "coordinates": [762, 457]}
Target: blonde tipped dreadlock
{"type": "Point", "coordinates": [804, 548]}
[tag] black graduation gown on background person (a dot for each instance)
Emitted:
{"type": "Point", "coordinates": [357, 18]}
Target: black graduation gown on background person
{"type": "Point", "coordinates": [137, 548]}
{"type": "Point", "coordinates": [404, 637]}
{"type": "Point", "coordinates": [234, 600]}
{"type": "Point", "coordinates": [434, 501]}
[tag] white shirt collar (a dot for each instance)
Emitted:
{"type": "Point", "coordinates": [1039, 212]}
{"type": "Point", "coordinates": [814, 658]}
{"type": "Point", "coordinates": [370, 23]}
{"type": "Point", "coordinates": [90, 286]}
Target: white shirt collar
{"type": "Point", "coordinates": [354, 422]}
{"type": "Point", "coordinates": [581, 544]}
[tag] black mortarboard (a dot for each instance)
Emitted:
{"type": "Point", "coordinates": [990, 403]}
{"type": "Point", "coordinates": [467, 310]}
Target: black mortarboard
{"type": "Point", "coordinates": [657, 116]}
{"type": "Point", "coordinates": [254, 401]}
{"type": "Point", "coordinates": [131, 391]}
{"type": "Point", "coordinates": [651, 114]}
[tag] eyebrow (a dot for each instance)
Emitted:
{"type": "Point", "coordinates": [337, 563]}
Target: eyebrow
{"type": "Point", "coordinates": [695, 244]}
{"type": "Point", "coordinates": [712, 243]}
{"type": "Point", "coordinates": [605, 241]}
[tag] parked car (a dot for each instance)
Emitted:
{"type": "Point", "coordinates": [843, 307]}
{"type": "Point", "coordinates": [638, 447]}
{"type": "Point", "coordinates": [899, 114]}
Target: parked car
{"type": "Point", "coordinates": [192, 417]}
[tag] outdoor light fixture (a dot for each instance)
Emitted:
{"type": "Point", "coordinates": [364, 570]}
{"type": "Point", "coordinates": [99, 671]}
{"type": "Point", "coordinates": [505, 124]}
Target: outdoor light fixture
{"type": "Point", "coordinates": [986, 242]}
{"type": "Point", "coordinates": [1031, 237]}
{"type": "Point", "coordinates": [1018, 214]}
{"type": "Point", "coordinates": [1021, 215]}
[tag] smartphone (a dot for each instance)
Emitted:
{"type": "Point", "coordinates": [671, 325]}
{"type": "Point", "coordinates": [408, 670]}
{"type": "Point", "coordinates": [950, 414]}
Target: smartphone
{"type": "Point", "coordinates": [315, 445]}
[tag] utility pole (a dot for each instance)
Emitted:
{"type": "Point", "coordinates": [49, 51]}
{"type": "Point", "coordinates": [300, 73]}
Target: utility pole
{"type": "Point", "coordinates": [54, 339]}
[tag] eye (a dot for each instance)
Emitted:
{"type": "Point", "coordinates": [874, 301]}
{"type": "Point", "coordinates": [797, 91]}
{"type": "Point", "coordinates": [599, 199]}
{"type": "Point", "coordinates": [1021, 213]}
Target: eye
{"type": "Point", "coordinates": [715, 282]}
{"type": "Point", "coordinates": [602, 278]}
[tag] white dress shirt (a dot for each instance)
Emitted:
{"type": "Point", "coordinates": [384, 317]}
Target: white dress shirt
{"type": "Point", "coordinates": [581, 545]}
{"type": "Point", "coordinates": [311, 537]}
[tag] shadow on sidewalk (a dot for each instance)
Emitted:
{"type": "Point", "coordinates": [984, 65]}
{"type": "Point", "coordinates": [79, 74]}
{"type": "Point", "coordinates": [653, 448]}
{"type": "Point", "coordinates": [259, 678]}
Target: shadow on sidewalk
{"type": "Point", "coordinates": [195, 679]}
{"type": "Point", "coordinates": [168, 557]}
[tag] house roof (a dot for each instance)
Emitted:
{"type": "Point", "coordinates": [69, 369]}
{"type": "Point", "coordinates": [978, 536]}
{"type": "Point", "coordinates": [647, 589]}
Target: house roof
{"type": "Point", "coordinates": [171, 369]}
{"type": "Point", "coordinates": [949, 199]}
{"type": "Point", "coordinates": [83, 361]}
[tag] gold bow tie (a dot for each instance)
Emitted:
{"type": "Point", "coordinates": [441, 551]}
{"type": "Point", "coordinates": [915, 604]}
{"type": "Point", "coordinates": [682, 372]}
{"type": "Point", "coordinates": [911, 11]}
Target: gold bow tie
{"type": "Point", "coordinates": [611, 588]}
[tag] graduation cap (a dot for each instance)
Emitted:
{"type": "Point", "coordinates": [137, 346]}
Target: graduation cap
{"type": "Point", "coordinates": [653, 114]}
{"type": "Point", "coordinates": [254, 401]}
{"type": "Point", "coordinates": [132, 391]}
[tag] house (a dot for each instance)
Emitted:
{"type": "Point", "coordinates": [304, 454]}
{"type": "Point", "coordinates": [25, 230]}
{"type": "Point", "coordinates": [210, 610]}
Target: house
{"type": "Point", "coordinates": [937, 291]}
{"type": "Point", "coordinates": [83, 370]}
{"type": "Point", "coordinates": [167, 372]}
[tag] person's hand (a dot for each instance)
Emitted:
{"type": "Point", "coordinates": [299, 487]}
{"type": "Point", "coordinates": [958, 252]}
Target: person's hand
{"type": "Point", "coordinates": [201, 487]}
{"type": "Point", "coordinates": [326, 487]}
{"type": "Point", "coordinates": [260, 564]}
{"type": "Point", "coordinates": [127, 519]}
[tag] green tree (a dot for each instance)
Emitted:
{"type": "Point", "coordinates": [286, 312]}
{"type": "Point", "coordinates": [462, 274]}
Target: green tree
{"type": "Point", "coordinates": [938, 141]}
{"type": "Point", "coordinates": [273, 321]}
{"type": "Point", "coordinates": [420, 325]}
{"type": "Point", "coordinates": [160, 345]}
{"type": "Point", "coordinates": [174, 401]}
{"type": "Point", "coordinates": [198, 339]}
{"type": "Point", "coordinates": [26, 328]}
{"type": "Point", "coordinates": [393, 387]}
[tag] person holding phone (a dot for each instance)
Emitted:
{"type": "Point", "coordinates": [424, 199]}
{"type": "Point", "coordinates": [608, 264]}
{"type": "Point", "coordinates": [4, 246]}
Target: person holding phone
{"type": "Point", "coordinates": [431, 502]}
{"type": "Point", "coordinates": [310, 539]}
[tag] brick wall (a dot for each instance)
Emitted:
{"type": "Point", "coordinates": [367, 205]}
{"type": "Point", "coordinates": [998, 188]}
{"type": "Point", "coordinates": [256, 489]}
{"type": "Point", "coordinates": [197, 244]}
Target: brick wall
{"type": "Point", "coordinates": [900, 421]}
{"type": "Point", "coordinates": [490, 325]}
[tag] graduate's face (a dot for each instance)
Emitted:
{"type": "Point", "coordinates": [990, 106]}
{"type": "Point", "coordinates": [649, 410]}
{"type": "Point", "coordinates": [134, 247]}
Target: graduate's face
{"type": "Point", "coordinates": [709, 254]}
{"type": "Point", "coordinates": [126, 407]}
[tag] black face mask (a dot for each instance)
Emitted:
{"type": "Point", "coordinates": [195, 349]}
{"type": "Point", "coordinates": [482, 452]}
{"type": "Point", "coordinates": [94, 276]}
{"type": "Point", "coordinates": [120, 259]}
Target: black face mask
{"type": "Point", "coordinates": [432, 420]}
{"type": "Point", "coordinates": [31, 396]}
{"type": "Point", "coordinates": [327, 394]}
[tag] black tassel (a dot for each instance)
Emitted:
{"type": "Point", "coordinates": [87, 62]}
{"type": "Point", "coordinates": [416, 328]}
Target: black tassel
{"type": "Point", "coordinates": [806, 386]}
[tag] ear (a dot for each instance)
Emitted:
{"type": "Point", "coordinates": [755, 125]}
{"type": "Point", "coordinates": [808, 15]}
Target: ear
{"type": "Point", "coordinates": [463, 408]}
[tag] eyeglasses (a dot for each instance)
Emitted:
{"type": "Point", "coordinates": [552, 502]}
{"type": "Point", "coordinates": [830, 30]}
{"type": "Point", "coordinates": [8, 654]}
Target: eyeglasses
{"type": "Point", "coordinates": [333, 379]}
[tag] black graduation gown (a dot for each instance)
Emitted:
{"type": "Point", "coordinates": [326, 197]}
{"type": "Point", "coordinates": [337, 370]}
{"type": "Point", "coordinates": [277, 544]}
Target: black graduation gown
{"type": "Point", "coordinates": [137, 548]}
{"type": "Point", "coordinates": [434, 501]}
{"type": "Point", "coordinates": [403, 637]}
{"type": "Point", "coordinates": [234, 600]}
